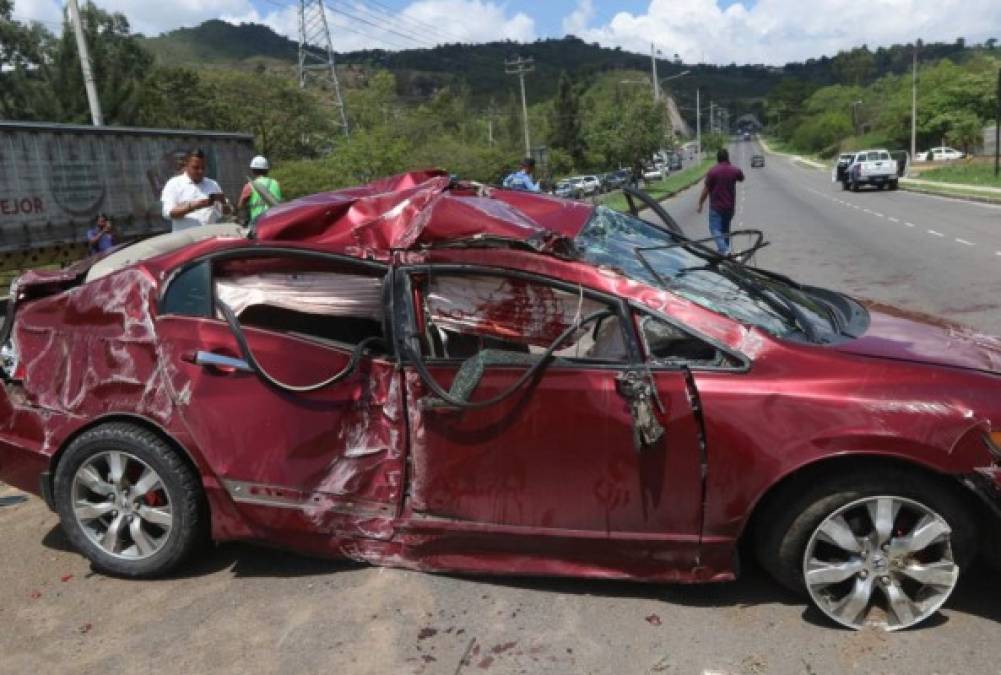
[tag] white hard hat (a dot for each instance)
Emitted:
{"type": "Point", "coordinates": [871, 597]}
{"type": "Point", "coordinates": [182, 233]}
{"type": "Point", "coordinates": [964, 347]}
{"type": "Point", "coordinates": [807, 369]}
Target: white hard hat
{"type": "Point", "coordinates": [260, 163]}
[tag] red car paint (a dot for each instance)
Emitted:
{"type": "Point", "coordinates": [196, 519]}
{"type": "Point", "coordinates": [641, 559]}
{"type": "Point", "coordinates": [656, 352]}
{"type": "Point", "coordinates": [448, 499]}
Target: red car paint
{"type": "Point", "coordinates": [545, 482]}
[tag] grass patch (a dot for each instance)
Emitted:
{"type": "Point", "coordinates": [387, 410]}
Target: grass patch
{"type": "Point", "coordinates": [661, 189]}
{"type": "Point", "coordinates": [948, 191]}
{"type": "Point", "coordinates": [967, 173]}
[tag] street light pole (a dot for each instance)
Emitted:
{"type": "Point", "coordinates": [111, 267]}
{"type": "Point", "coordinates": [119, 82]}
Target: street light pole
{"type": "Point", "coordinates": [519, 67]}
{"type": "Point", "coordinates": [88, 74]}
{"type": "Point", "coordinates": [997, 131]}
{"type": "Point", "coordinates": [914, 104]}
{"type": "Point", "coordinates": [653, 67]}
{"type": "Point", "coordinates": [854, 108]}
{"type": "Point", "coordinates": [698, 126]}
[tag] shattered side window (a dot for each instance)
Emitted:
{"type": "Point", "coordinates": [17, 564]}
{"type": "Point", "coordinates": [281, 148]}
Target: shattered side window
{"type": "Point", "coordinates": [305, 298]}
{"type": "Point", "coordinates": [466, 314]}
{"type": "Point", "coordinates": [611, 239]}
{"type": "Point", "coordinates": [668, 345]}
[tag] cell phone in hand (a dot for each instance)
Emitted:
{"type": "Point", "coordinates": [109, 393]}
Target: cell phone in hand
{"type": "Point", "coordinates": [217, 197]}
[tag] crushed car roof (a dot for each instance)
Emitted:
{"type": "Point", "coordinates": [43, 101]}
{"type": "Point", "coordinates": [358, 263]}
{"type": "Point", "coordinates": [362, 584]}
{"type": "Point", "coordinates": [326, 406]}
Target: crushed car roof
{"type": "Point", "coordinates": [421, 209]}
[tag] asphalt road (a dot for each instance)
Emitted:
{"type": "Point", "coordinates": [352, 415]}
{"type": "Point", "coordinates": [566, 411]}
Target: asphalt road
{"type": "Point", "coordinates": [928, 254]}
{"type": "Point", "coordinates": [243, 608]}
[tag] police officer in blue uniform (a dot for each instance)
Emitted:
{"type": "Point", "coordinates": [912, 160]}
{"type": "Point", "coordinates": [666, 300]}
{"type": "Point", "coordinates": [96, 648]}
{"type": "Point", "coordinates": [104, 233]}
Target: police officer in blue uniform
{"type": "Point", "coordinates": [522, 179]}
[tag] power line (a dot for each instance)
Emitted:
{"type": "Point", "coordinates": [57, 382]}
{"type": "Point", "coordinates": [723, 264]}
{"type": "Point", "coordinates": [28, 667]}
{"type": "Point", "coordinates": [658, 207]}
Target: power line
{"type": "Point", "coordinates": [416, 40]}
{"type": "Point", "coordinates": [370, 36]}
{"type": "Point", "coordinates": [423, 25]}
{"type": "Point", "coordinates": [386, 21]}
{"type": "Point", "coordinates": [313, 30]}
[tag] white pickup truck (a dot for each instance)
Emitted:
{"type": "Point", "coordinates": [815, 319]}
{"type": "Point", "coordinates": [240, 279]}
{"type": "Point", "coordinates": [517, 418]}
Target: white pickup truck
{"type": "Point", "coordinates": [871, 167]}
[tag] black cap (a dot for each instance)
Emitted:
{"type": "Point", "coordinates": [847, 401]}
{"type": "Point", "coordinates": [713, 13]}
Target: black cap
{"type": "Point", "coordinates": [528, 162]}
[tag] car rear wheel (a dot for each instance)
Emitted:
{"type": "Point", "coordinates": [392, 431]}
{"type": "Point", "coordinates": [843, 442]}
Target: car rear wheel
{"type": "Point", "coordinates": [128, 501]}
{"type": "Point", "coordinates": [870, 552]}
{"type": "Point", "coordinates": [854, 186]}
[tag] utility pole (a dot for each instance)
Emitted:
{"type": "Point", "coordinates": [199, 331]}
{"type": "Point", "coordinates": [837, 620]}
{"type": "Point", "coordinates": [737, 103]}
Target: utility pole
{"type": "Point", "coordinates": [712, 118]}
{"type": "Point", "coordinates": [520, 67]}
{"type": "Point", "coordinates": [316, 52]}
{"type": "Point", "coordinates": [997, 131]}
{"type": "Point", "coordinates": [653, 68]}
{"type": "Point", "coordinates": [698, 126]}
{"type": "Point", "coordinates": [914, 104]}
{"type": "Point", "coordinates": [88, 74]}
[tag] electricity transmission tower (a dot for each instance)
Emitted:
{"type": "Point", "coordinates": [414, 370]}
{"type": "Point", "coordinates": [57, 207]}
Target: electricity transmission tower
{"type": "Point", "coordinates": [519, 67]}
{"type": "Point", "coordinates": [316, 53]}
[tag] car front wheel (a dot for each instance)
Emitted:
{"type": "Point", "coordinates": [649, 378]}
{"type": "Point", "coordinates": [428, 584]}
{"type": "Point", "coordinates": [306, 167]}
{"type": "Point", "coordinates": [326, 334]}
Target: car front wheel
{"type": "Point", "coordinates": [128, 501]}
{"type": "Point", "coordinates": [870, 552]}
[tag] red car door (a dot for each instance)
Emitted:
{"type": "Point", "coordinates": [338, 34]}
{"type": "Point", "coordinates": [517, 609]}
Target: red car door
{"type": "Point", "coordinates": [558, 458]}
{"type": "Point", "coordinates": [319, 461]}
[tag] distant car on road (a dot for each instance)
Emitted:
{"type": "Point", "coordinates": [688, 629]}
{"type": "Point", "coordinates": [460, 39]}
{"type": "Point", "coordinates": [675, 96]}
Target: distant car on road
{"type": "Point", "coordinates": [674, 163]}
{"type": "Point", "coordinates": [940, 154]}
{"type": "Point", "coordinates": [872, 167]}
{"type": "Point", "coordinates": [566, 189]}
{"type": "Point", "coordinates": [616, 179]}
{"type": "Point", "coordinates": [590, 185]}
{"type": "Point", "coordinates": [654, 173]}
{"type": "Point", "coordinates": [757, 161]}
{"type": "Point", "coordinates": [747, 135]}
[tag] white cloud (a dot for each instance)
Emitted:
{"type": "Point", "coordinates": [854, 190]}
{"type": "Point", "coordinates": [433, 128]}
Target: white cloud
{"type": "Point", "coordinates": [779, 31]}
{"type": "Point", "coordinates": [471, 20]}
{"type": "Point", "coordinates": [46, 11]}
{"type": "Point", "coordinates": [576, 21]}
{"type": "Point", "coordinates": [151, 17]}
{"type": "Point", "coordinates": [423, 23]}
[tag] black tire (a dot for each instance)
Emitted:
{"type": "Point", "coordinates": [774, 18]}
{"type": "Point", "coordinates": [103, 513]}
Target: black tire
{"type": "Point", "coordinates": [882, 186]}
{"type": "Point", "coordinates": [854, 186]}
{"type": "Point", "coordinates": [844, 186]}
{"type": "Point", "coordinates": [179, 480]}
{"type": "Point", "coordinates": [893, 185]}
{"type": "Point", "coordinates": [786, 523]}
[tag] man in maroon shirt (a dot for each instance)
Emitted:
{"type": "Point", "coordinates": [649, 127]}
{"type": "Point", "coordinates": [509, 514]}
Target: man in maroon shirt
{"type": "Point", "coordinates": [721, 189]}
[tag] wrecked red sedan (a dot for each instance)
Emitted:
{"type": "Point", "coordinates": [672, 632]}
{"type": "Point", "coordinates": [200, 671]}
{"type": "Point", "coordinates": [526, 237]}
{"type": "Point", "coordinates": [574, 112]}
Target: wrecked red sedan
{"type": "Point", "coordinates": [443, 377]}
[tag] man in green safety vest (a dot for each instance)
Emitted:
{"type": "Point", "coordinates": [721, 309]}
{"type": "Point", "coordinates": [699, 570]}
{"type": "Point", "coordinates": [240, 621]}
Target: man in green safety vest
{"type": "Point", "coordinates": [261, 193]}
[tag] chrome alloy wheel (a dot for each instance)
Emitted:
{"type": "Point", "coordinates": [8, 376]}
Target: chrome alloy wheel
{"type": "Point", "coordinates": [881, 562]}
{"type": "Point", "coordinates": [122, 506]}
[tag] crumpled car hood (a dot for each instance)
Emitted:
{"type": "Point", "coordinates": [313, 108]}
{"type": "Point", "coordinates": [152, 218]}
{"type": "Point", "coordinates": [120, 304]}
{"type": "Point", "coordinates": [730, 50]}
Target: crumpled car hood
{"type": "Point", "coordinates": [897, 334]}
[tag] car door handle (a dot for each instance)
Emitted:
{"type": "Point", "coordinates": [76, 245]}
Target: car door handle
{"type": "Point", "coordinates": [222, 362]}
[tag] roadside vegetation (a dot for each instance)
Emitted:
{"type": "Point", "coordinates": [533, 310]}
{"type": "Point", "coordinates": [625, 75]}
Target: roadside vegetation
{"type": "Point", "coordinates": [870, 104]}
{"type": "Point", "coordinates": [969, 173]}
{"type": "Point", "coordinates": [597, 123]}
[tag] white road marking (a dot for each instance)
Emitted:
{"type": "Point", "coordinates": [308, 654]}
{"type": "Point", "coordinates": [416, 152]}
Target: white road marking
{"type": "Point", "coordinates": [868, 211]}
{"type": "Point", "coordinates": [894, 220]}
{"type": "Point", "coordinates": [878, 215]}
{"type": "Point", "coordinates": [936, 234]}
{"type": "Point", "coordinates": [997, 252]}
{"type": "Point", "coordinates": [909, 224]}
{"type": "Point", "coordinates": [964, 242]}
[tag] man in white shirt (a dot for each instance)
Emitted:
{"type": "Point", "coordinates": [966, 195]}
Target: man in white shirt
{"type": "Point", "coordinates": [190, 199]}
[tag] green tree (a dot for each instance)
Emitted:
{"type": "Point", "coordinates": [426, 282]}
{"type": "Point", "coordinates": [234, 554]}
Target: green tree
{"type": "Point", "coordinates": [855, 67]}
{"type": "Point", "coordinates": [565, 128]}
{"type": "Point", "coordinates": [623, 126]}
{"type": "Point", "coordinates": [965, 130]}
{"type": "Point", "coordinates": [120, 66]}
{"type": "Point", "coordinates": [22, 53]}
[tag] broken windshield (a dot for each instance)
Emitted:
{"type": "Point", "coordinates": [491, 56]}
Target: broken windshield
{"type": "Point", "coordinates": [611, 239]}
